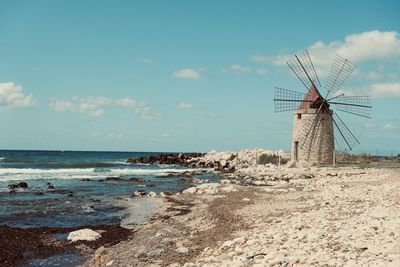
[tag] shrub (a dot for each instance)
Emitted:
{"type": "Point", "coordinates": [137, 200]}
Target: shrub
{"type": "Point", "coordinates": [268, 158]}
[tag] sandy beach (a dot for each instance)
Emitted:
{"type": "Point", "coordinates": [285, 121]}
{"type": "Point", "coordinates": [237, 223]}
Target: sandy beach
{"type": "Point", "coordinates": [347, 216]}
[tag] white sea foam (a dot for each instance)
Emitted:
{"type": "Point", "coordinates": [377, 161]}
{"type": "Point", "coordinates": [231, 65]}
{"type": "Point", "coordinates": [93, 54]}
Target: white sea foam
{"type": "Point", "coordinates": [14, 174]}
{"type": "Point", "coordinates": [8, 171]}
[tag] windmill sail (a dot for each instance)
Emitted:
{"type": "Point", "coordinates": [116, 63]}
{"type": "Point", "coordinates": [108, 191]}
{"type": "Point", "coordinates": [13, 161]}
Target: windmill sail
{"type": "Point", "coordinates": [356, 105]}
{"type": "Point", "coordinates": [286, 100]}
{"type": "Point", "coordinates": [303, 68]}
{"type": "Point", "coordinates": [340, 71]}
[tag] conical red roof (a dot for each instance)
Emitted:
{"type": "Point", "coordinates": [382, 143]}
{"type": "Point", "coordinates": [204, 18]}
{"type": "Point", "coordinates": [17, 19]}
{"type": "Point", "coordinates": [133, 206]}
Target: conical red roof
{"type": "Point", "coordinates": [311, 96]}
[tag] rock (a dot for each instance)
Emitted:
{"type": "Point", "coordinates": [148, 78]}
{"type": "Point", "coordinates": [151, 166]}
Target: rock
{"type": "Point", "coordinates": [100, 251]}
{"type": "Point", "coordinates": [152, 194]}
{"type": "Point", "coordinates": [240, 240]}
{"type": "Point", "coordinates": [181, 159]}
{"type": "Point", "coordinates": [158, 234]}
{"type": "Point", "coordinates": [228, 189]}
{"type": "Point", "coordinates": [379, 213]}
{"type": "Point", "coordinates": [83, 235]}
{"type": "Point", "coordinates": [182, 250]}
{"type": "Point", "coordinates": [39, 193]}
{"type": "Point", "coordinates": [228, 243]}
{"type": "Point", "coordinates": [23, 185]}
{"type": "Point", "coordinates": [100, 257]}
{"type": "Point", "coordinates": [139, 193]}
{"type": "Point", "coordinates": [19, 185]}
{"type": "Point", "coordinates": [50, 186]}
{"type": "Point", "coordinates": [154, 253]}
{"type": "Point", "coordinates": [115, 179]}
{"type": "Point", "coordinates": [190, 190]}
{"type": "Point", "coordinates": [269, 190]}
{"type": "Point", "coordinates": [136, 179]}
{"type": "Point", "coordinates": [119, 179]}
{"type": "Point", "coordinates": [246, 199]}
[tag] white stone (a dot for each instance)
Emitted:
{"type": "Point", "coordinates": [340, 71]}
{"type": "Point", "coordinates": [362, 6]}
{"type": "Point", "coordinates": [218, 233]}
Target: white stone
{"type": "Point", "coordinates": [228, 243]}
{"type": "Point", "coordinates": [152, 194]}
{"type": "Point", "coordinates": [182, 250]}
{"type": "Point", "coordinates": [83, 235]}
{"type": "Point", "coordinates": [190, 190]}
{"type": "Point", "coordinates": [154, 253]}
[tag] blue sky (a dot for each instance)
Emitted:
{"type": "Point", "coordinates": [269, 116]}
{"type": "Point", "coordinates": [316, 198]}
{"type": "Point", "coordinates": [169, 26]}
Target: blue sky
{"type": "Point", "coordinates": [184, 75]}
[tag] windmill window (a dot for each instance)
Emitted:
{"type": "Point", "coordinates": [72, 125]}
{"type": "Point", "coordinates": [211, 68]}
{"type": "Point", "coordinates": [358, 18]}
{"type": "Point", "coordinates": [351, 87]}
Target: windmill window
{"type": "Point", "coordinates": [299, 116]}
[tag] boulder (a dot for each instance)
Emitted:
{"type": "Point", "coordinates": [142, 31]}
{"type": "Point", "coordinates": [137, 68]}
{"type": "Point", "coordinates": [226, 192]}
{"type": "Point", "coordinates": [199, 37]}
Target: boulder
{"type": "Point", "coordinates": [190, 190]}
{"type": "Point", "coordinates": [139, 193]}
{"type": "Point", "coordinates": [83, 235]}
{"type": "Point", "coordinates": [115, 179]}
{"type": "Point", "coordinates": [50, 186]}
{"type": "Point", "coordinates": [152, 194]}
{"type": "Point", "coordinates": [19, 185]}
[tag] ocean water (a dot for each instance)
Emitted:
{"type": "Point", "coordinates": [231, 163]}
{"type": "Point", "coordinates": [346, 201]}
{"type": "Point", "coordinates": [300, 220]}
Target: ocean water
{"type": "Point", "coordinates": [81, 195]}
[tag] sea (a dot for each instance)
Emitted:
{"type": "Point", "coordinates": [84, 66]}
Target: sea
{"type": "Point", "coordinates": [70, 188]}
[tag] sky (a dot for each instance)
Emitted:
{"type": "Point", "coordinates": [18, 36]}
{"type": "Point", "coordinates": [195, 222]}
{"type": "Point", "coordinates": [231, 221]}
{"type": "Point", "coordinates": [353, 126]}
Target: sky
{"type": "Point", "coordinates": [186, 75]}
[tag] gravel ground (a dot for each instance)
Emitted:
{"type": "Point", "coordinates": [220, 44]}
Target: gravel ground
{"type": "Point", "coordinates": [323, 217]}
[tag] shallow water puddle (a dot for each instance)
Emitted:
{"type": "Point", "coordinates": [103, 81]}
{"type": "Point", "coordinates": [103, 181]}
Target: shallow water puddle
{"type": "Point", "coordinates": [67, 259]}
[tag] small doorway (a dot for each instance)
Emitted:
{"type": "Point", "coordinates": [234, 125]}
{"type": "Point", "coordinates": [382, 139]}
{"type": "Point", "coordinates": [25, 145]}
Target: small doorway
{"type": "Point", "coordinates": [296, 150]}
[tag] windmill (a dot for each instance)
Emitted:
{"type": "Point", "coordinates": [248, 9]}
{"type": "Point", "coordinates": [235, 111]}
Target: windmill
{"type": "Point", "coordinates": [317, 126]}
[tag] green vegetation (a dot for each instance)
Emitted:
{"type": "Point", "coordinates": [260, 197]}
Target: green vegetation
{"type": "Point", "coordinates": [268, 158]}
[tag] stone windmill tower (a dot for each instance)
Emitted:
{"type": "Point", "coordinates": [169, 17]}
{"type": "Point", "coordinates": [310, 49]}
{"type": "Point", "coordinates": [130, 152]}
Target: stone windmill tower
{"type": "Point", "coordinates": [316, 126]}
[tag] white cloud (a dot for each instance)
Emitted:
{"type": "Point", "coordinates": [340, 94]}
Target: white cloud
{"type": "Point", "coordinates": [187, 74]}
{"type": "Point", "coordinates": [94, 106]}
{"type": "Point", "coordinates": [145, 61]}
{"type": "Point", "coordinates": [127, 102]}
{"type": "Point", "coordinates": [262, 71]}
{"type": "Point", "coordinates": [12, 96]}
{"type": "Point", "coordinates": [165, 135]}
{"type": "Point", "coordinates": [361, 47]}
{"type": "Point", "coordinates": [388, 126]}
{"type": "Point", "coordinates": [147, 113]}
{"type": "Point", "coordinates": [373, 76]}
{"type": "Point", "coordinates": [183, 105]}
{"type": "Point", "coordinates": [236, 68]}
{"type": "Point", "coordinates": [61, 105]}
{"type": "Point", "coordinates": [382, 90]}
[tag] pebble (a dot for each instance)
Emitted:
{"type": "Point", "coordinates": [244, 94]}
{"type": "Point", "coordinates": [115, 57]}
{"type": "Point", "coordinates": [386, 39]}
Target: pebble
{"type": "Point", "coordinates": [182, 250]}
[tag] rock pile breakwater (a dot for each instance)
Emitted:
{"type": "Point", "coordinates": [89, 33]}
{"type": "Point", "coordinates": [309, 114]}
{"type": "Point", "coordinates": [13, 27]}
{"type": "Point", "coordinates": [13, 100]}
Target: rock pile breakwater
{"type": "Point", "coordinates": [180, 159]}
{"type": "Point", "coordinates": [225, 161]}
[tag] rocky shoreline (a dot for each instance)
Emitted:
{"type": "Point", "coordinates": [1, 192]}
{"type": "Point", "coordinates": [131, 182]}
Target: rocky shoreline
{"type": "Point", "coordinates": [271, 215]}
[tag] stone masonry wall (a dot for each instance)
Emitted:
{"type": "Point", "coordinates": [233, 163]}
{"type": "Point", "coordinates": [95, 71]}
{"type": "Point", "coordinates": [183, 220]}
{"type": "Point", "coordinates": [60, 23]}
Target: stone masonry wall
{"type": "Point", "coordinates": [315, 138]}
